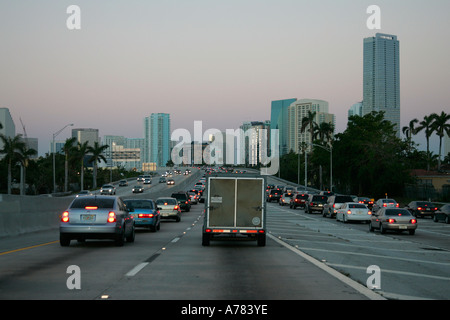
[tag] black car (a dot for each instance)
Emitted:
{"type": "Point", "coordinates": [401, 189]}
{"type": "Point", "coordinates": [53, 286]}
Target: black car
{"type": "Point", "coordinates": [274, 195]}
{"type": "Point", "coordinates": [315, 202]}
{"type": "Point", "coordinates": [421, 208]}
{"type": "Point", "coordinates": [183, 199]}
{"type": "Point", "coordinates": [443, 214]}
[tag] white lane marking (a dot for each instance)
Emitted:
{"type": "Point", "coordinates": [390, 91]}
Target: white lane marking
{"type": "Point", "coordinates": [355, 285]}
{"type": "Point", "coordinates": [136, 269]}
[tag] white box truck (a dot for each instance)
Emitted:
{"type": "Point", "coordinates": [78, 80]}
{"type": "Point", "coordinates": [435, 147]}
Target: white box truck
{"type": "Point", "coordinates": [235, 208]}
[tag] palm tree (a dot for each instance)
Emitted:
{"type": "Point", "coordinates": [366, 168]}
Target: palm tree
{"type": "Point", "coordinates": [324, 132]}
{"type": "Point", "coordinates": [68, 149]}
{"type": "Point", "coordinates": [26, 154]}
{"type": "Point", "coordinates": [426, 124]}
{"type": "Point", "coordinates": [12, 149]}
{"type": "Point", "coordinates": [409, 131]}
{"type": "Point", "coordinates": [441, 126]}
{"type": "Point", "coordinates": [309, 122]}
{"type": "Point", "coordinates": [81, 151]}
{"type": "Point", "coordinates": [97, 156]}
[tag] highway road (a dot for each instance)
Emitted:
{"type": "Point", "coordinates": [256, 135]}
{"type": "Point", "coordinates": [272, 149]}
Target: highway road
{"type": "Point", "coordinates": [307, 257]}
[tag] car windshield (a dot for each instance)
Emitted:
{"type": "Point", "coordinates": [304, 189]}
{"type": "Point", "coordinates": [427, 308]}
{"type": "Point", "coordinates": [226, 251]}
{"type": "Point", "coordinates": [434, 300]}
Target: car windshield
{"type": "Point", "coordinates": [139, 204]}
{"type": "Point", "coordinates": [166, 201]}
{"type": "Point", "coordinates": [397, 212]}
{"type": "Point", "coordinates": [359, 206]}
{"type": "Point", "coordinates": [100, 203]}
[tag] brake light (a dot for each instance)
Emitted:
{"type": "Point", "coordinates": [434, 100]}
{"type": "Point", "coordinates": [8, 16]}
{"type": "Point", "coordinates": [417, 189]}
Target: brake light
{"type": "Point", "coordinates": [384, 205]}
{"type": "Point", "coordinates": [349, 212]}
{"type": "Point", "coordinates": [145, 215]}
{"type": "Point", "coordinates": [391, 220]}
{"type": "Point", "coordinates": [111, 217]}
{"type": "Point", "coordinates": [91, 208]}
{"type": "Point", "coordinates": [175, 208]}
{"type": "Point", "coordinates": [397, 205]}
{"type": "Point", "coordinates": [370, 212]}
{"type": "Point", "coordinates": [419, 208]}
{"type": "Point", "coordinates": [413, 221]}
{"type": "Point", "coordinates": [65, 217]}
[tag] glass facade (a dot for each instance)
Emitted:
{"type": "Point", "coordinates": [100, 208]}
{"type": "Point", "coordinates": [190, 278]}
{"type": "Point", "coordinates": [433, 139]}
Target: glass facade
{"type": "Point", "coordinates": [279, 120]}
{"type": "Point", "coordinates": [381, 78]}
{"type": "Point", "coordinates": [157, 139]}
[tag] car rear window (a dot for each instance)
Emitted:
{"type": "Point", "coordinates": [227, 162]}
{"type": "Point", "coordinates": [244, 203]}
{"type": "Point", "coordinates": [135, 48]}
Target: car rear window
{"type": "Point", "coordinates": [139, 204]}
{"type": "Point", "coordinates": [302, 196]}
{"type": "Point", "coordinates": [320, 198]}
{"type": "Point", "coordinates": [100, 203]}
{"type": "Point", "coordinates": [357, 206]}
{"type": "Point", "coordinates": [342, 199]}
{"type": "Point", "coordinates": [168, 201]}
{"type": "Point", "coordinates": [397, 212]}
{"type": "Point", "coordinates": [179, 196]}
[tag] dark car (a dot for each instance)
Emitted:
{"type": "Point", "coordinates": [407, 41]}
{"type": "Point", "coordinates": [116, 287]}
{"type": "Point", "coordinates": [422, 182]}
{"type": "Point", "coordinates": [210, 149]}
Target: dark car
{"type": "Point", "coordinates": [274, 195]}
{"type": "Point", "coordinates": [334, 202]}
{"type": "Point", "coordinates": [421, 208]}
{"type": "Point", "coordinates": [183, 199]}
{"type": "Point", "coordinates": [145, 213]}
{"type": "Point", "coordinates": [298, 200]}
{"type": "Point", "coordinates": [443, 214]}
{"type": "Point", "coordinates": [367, 201]}
{"type": "Point", "coordinates": [315, 202]}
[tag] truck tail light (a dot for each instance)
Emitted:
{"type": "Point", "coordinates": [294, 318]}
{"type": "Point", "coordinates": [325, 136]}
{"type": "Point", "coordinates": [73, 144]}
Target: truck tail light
{"type": "Point", "coordinates": [65, 217]}
{"type": "Point", "coordinates": [111, 217]}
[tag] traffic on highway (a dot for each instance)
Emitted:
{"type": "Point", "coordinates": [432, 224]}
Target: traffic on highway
{"type": "Point", "coordinates": [150, 245]}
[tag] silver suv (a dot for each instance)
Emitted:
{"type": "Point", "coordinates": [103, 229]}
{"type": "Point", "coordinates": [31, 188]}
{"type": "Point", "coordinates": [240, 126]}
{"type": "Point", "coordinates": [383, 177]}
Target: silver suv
{"type": "Point", "coordinates": [108, 189]}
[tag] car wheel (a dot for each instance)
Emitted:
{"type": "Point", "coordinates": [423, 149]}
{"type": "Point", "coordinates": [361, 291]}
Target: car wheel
{"type": "Point", "coordinates": [371, 227]}
{"type": "Point", "coordinates": [435, 219]}
{"type": "Point", "coordinates": [64, 241]}
{"type": "Point", "coordinates": [382, 229]}
{"type": "Point", "coordinates": [261, 240]}
{"type": "Point", "coordinates": [120, 239]}
{"type": "Point", "coordinates": [131, 237]}
{"type": "Point", "coordinates": [447, 220]}
{"type": "Point", "coordinates": [205, 239]}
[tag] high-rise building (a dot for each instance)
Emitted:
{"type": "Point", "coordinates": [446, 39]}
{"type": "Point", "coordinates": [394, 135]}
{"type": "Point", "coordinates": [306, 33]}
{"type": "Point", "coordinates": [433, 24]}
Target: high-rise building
{"type": "Point", "coordinates": [7, 127]}
{"type": "Point", "coordinates": [157, 139]}
{"type": "Point", "coordinates": [381, 78]}
{"type": "Point", "coordinates": [299, 110]}
{"type": "Point", "coordinates": [279, 121]}
{"type": "Point", "coordinates": [86, 134]}
{"type": "Point", "coordinates": [254, 142]}
{"type": "Point", "coordinates": [355, 110]}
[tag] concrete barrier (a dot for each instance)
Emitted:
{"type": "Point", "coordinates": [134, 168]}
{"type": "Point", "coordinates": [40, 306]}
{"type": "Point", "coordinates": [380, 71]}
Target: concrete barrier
{"type": "Point", "coordinates": [23, 214]}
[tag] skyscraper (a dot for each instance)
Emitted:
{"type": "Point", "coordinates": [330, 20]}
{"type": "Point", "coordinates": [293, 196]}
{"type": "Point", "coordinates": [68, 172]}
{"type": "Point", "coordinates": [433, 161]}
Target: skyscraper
{"type": "Point", "coordinates": [279, 120]}
{"type": "Point", "coordinates": [381, 78]}
{"type": "Point", "coordinates": [157, 139]}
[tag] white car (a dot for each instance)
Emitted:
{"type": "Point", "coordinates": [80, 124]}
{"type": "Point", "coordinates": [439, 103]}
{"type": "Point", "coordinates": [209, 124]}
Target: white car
{"type": "Point", "coordinates": [353, 211]}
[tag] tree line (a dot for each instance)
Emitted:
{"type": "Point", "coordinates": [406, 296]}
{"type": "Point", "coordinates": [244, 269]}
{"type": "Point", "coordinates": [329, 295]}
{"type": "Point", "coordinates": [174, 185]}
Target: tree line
{"type": "Point", "coordinates": [369, 159]}
{"type": "Point", "coordinates": [37, 174]}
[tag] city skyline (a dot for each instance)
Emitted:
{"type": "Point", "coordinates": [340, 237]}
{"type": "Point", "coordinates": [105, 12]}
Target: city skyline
{"type": "Point", "coordinates": [221, 62]}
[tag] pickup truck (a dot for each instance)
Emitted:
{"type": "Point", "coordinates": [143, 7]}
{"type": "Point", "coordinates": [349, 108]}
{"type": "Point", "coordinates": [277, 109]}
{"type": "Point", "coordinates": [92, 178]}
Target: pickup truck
{"type": "Point", "coordinates": [235, 208]}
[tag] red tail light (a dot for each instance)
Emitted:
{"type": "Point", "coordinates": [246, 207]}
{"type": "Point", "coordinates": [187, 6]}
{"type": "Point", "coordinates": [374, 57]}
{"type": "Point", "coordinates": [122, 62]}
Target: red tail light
{"type": "Point", "coordinates": [391, 220]}
{"type": "Point", "coordinates": [397, 205]}
{"type": "Point", "coordinates": [175, 208]}
{"type": "Point", "coordinates": [413, 221]}
{"type": "Point", "coordinates": [65, 217]}
{"type": "Point", "coordinates": [145, 215]}
{"type": "Point", "coordinates": [111, 217]}
{"type": "Point", "coordinates": [349, 212]}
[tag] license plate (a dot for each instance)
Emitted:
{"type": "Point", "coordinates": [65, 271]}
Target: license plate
{"type": "Point", "coordinates": [88, 217]}
{"type": "Point", "coordinates": [359, 212]}
{"type": "Point", "coordinates": [402, 227]}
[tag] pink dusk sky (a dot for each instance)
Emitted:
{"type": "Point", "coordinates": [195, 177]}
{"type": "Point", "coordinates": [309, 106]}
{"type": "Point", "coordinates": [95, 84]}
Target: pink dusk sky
{"type": "Point", "coordinates": [219, 61]}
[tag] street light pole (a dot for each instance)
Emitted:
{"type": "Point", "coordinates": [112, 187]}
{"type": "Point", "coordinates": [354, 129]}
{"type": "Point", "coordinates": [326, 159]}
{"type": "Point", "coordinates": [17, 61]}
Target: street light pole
{"type": "Point", "coordinates": [54, 151]}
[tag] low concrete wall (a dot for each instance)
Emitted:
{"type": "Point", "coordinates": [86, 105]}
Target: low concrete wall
{"type": "Point", "coordinates": [22, 214]}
